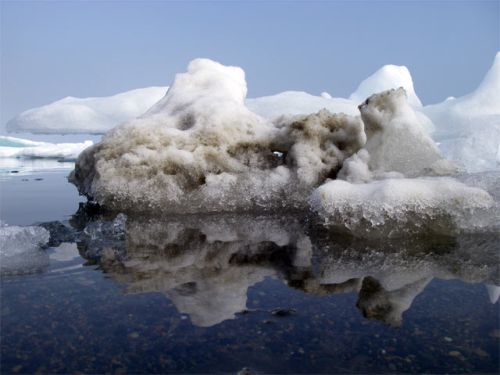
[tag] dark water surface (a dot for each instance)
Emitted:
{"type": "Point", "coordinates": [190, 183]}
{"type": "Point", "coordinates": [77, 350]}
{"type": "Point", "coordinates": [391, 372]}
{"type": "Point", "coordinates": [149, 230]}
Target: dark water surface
{"type": "Point", "coordinates": [204, 294]}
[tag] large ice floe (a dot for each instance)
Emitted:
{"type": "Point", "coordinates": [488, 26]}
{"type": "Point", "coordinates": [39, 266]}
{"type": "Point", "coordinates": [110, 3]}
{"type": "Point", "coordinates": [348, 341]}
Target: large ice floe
{"type": "Point", "coordinates": [200, 149]}
{"type": "Point", "coordinates": [11, 147]}
{"type": "Point", "coordinates": [86, 115]}
{"type": "Point", "coordinates": [20, 249]}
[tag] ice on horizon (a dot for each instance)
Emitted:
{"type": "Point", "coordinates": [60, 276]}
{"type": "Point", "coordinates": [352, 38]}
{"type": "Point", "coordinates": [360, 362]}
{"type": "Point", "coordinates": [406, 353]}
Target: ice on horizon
{"type": "Point", "coordinates": [86, 115]}
{"type": "Point", "coordinates": [11, 147]}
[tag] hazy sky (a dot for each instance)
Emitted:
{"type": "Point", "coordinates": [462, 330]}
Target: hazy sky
{"type": "Point", "coordinates": [53, 49]}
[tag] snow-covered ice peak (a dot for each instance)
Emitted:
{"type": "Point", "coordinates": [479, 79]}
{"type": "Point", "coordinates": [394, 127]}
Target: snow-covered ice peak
{"type": "Point", "coordinates": [387, 77]}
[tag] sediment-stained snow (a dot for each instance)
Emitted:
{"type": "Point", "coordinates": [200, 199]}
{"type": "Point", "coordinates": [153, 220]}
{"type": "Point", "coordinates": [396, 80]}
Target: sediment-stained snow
{"type": "Point", "coordinates": [200, 149]}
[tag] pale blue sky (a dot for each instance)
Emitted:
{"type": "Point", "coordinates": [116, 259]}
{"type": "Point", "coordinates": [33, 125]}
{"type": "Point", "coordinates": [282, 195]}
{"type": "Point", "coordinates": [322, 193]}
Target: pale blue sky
{"type": "Point", "coordinates": [52, 49]}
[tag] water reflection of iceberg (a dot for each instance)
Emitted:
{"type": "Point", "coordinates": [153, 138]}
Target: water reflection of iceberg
{"type": "Point", "coordinates": [205, 264]}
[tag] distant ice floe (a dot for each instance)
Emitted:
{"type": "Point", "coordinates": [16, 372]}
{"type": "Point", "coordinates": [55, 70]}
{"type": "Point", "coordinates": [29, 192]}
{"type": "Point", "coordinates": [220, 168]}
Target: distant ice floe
{"type": "Point", "coordinates": [11, 147]}
{"type": "Point", "coordinates": [20, 249]}
{"type": "Point", "coordinates": [86, 115]}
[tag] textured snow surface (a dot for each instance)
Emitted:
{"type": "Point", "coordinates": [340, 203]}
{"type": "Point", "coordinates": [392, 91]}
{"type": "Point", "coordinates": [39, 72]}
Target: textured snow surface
{"type": "Point", "coordinates": [396, 142]}
{"type": "Point", "coordinates": [200, 149]}
{"type": "Point", "coordinates": [394, 206]}
{"type": "Point", "coordinates": [20, 249]}
{"type": "Point", "coordinates": [11, 147]}
{"type": "Point", "coordinates": [86, 115]}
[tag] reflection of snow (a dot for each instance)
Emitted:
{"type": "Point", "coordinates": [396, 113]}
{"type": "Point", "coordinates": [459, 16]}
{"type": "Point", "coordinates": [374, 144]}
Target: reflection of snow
{"type": "Point", "coordinates": [206, 264]}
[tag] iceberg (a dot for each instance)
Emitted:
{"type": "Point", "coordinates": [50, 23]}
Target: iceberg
{"type": "Point", "coordinates": [390, 187]}
{"type": "Point", "coordinates": [200, 149]}
{"type": "Point", "coordinates": [11, 147]}
{"type": "Point", "coordinates": [86, 115]}
{"type": "Point", "coordinates": [20, 249]}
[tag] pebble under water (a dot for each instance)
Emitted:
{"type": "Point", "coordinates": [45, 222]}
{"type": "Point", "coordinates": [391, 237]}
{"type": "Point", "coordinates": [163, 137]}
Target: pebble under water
{"type": "Point", "coordinates": [240, 293]}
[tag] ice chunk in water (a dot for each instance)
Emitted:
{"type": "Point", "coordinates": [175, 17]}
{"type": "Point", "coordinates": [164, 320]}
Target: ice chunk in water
{"type": "Point", "coordinates": [20, 249]}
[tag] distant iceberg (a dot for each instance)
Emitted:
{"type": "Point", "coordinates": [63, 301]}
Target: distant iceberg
{"type": "Point", "coordinates": [11, 147]}
{"type": "Point", "coordinates": [86, 115]}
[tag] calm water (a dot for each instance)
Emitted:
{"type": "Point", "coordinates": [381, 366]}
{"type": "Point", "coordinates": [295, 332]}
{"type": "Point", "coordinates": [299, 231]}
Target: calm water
{"type": "Point", "coordinates": [221, 293]}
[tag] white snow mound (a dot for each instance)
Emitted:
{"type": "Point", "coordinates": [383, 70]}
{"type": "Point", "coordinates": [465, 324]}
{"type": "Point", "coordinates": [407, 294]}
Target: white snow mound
{"type": "Point", "coordinates": [468, 128]}
{"type": "Point", "coordinates": [86, 115]}
{"type": "Point", "coordinates": [386, 78]}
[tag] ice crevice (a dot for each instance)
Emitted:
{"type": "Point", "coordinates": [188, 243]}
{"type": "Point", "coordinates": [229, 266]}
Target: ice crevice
{"type": "Point", "coordinates": [201, 149]}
